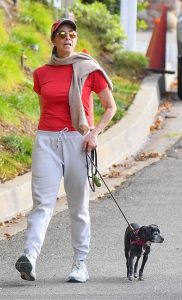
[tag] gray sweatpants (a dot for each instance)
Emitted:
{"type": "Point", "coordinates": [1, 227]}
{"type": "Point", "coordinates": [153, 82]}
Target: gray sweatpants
{"type": "Point", "coordinates": [58, 154]}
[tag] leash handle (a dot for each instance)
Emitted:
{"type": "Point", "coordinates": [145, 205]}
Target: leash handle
{"type": "Point", "coordinates": [91, 168]}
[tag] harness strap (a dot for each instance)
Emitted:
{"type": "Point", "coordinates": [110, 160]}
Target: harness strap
{"type": "Point", "coordinates": [137, 241]}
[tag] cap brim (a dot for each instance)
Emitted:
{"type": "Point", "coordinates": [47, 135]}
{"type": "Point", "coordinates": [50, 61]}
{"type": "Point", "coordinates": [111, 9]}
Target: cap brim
{"type": "Point", "coordinates": [69, 22]}
{"type": "Point", "coordinates": [58, 25]}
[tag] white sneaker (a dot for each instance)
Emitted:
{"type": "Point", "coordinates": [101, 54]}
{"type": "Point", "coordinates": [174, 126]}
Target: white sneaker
{"type": "Point", "coordinates": [79, 272]}
{"type": "Point", "coordinates": [26, 266]}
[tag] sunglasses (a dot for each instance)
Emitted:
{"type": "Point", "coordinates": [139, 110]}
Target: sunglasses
{"type": "Point", "coordinates": [63, 34]}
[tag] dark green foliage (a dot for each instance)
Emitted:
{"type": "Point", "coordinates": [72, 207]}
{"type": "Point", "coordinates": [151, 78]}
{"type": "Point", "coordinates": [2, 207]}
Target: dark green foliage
{"type": "Point", "coordinates": [112, 5]}
{"type": "Point", "coordinates": [17, 144]}
{"type": "Point", "coordinates": [130, 63]}
{"type": "Point", "coordinates": [97, 18]}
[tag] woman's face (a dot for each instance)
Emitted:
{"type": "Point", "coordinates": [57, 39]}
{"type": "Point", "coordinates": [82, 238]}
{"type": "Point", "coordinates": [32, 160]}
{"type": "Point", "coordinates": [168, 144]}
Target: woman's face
{"type": "Point", "coordinates": [65, 40]}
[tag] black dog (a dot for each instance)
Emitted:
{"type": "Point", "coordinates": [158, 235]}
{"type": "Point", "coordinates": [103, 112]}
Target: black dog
{"type": "Point", "coordinates": [137, 242]}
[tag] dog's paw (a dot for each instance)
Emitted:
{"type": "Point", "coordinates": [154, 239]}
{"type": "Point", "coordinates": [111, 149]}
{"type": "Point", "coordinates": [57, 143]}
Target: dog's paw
{"type": "Point", "coordinates": [141, 278]}
{"type": "Point", "coordinates": [130, 278]}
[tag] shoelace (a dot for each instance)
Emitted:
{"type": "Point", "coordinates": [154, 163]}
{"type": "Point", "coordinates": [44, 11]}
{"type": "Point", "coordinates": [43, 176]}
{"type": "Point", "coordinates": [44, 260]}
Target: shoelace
{"type": "Point", "coordinates": [77, 264]}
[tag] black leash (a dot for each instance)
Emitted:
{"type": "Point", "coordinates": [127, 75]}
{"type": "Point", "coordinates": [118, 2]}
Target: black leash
{"type": "Point", "coordinates": [92, 171]}
{"type": "Point", "coordinates": [92, 168]}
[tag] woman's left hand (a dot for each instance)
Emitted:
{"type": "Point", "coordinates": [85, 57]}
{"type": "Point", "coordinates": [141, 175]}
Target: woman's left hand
{"type": "Point", "coordinates": [90, 141]}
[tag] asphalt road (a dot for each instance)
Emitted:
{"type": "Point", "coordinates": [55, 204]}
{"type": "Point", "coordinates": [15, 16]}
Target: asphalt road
{"type": "Point", "coordinates": [152, 195]}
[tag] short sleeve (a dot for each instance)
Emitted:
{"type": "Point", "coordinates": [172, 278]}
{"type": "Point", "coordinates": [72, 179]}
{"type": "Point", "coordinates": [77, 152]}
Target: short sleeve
{"type": "Point", "coordinates": [36, 86]}
{"type": "Point", "coordinates": [98, 80]}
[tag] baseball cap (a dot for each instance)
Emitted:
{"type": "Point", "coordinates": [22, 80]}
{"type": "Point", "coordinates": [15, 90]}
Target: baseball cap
{"type": "Point", "coordinates": [60, 22]}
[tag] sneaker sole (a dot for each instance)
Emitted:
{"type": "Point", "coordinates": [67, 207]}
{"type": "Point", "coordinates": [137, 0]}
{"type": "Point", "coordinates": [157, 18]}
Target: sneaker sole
{"type": "Point", "coordinates": [24, 266]}
{"type": "Point", "coordinates": [73, 279]}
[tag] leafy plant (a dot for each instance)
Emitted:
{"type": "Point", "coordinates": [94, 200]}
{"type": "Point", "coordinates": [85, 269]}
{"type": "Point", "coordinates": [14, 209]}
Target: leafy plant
{"type": "Point", "coordinates": [15, 158]}
{"type": "Point", "coordinates": [90, 44]}
{"type": "Point", "coordinates": [141, 23]}
{"type": "Point", "coordinates": [9, 167]}
{"type": "Point", "coordinates": [108, 29]}
{"type": "Point", "coordinates": [114, 7]}
{"type": "Point", "coordinates": [130, 63]}
{"type": "Point", "coordinates": [17, 144]}
{"type": "Point", "coordinates": [37, 14]}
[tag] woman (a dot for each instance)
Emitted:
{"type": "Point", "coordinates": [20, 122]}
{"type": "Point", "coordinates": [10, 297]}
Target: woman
{"type": "Point", "coordinates": [65, 132]}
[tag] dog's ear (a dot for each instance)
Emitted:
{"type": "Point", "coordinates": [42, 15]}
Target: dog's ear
{"type": "Point", "coordinates": [143, 233]}
{"type": "Point", "coordinates": [154, 227]}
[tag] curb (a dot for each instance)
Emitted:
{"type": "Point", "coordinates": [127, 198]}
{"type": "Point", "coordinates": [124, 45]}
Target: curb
{"type": "Point", "coordinates": [125, 138]}
{"type": "Point", "coordinates": [115, 145]}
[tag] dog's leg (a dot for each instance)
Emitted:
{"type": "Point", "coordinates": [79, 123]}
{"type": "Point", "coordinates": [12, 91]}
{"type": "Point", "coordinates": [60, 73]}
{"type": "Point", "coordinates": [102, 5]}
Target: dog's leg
{"type": "Point", "coordinates": [136, 267]}
{"type": "Point", "coordinates": [145, 258]}
{"type": "Point", "coordinates": [130, 267]}
{"type": "Point", "coordinates": [127, 259]}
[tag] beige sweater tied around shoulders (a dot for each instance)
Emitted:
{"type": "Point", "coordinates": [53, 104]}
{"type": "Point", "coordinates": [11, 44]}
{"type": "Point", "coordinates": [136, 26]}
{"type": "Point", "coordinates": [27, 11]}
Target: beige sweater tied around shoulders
{"type": "Point", "coordinates": [83, 65]}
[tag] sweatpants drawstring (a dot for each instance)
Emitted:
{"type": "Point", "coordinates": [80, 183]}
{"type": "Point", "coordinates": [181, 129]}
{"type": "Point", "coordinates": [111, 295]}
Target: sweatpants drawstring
{"type": "Point", "coordinates": [61, 135]}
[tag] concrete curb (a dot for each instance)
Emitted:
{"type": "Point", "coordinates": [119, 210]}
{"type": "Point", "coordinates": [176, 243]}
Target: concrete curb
{"type": "Point", "coordinates": [115, 145]}
{"type": "Point", "coordinates": [127, 136]}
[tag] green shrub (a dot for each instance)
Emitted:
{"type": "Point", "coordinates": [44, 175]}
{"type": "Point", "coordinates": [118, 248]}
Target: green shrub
{"type": "Point", "coordinates": [89, 43]}
{"type": "Point", "coordinates": [37, 14]}
{"type": "Point", "coordinates": [9, 167]}
{"type": "Point", "coordinates": [142, 25]}
{"type": "Point", "coordinates": [130, 64]}
{"type": "Point", "coordinates": [15, 158]}
{"type": "Point", "coordinates": [96, 17]}
{"type": "Point", "coordinates": [17, 144]}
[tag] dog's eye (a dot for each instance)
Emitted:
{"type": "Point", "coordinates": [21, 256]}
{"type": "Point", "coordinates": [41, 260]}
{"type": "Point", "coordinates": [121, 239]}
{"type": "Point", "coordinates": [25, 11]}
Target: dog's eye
{"type": "Point", "coordinates": [155, 233]}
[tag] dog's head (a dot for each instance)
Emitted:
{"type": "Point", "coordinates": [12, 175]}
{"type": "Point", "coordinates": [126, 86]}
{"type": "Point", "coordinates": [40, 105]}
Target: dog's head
{"type": "Point", "coordinates": [151, 234]}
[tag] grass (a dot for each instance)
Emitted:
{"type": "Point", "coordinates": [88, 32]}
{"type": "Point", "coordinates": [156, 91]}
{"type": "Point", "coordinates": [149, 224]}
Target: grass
{"type": "Point", "coordinates": [17, 145]}
{"type": "Point", "coordinates": [38, 15]}
{"type": "Point", "coordinates": [8, 114]}
{"type": "Point", "coordinates": [28, 30]}
{"type": "Point", "coordinates": [4, 37]}
{"type": "Point", "coordinates": [24, 101]}
{"type": "Point", "coordinates": [10, 74]}
{"type": "Point", "coordinates": [15, 156]}
{"type": "Point", "coordinates": [9, 167]}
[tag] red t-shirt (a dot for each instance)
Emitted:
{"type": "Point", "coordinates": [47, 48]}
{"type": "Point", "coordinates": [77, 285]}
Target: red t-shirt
{"type": "Point", "coordinates": [53, 83]}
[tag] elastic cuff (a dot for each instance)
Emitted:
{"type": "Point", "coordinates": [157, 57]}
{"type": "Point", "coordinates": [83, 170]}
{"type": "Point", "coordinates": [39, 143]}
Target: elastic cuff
{"type": "Point", "coordinates": [31, 253]}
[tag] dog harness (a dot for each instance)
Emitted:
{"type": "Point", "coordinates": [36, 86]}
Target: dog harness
{"type": "Point", "coordinates": [135, 239]}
